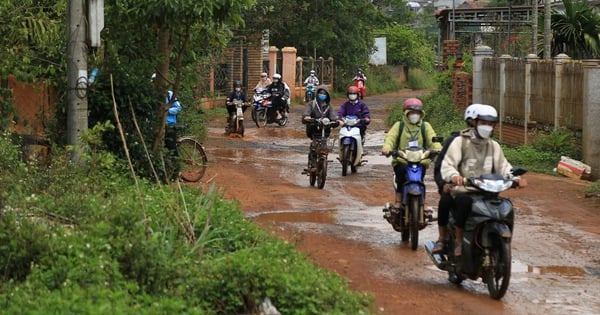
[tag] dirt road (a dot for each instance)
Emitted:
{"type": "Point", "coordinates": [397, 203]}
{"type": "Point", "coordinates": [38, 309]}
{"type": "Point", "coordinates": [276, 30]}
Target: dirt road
{"type": "Point", "coordinates": [556, 245]}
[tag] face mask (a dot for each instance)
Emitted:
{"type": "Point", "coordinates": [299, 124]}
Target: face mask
{"type": "Point", "coordinates": [352, 97]}
{"type": "Point", "coordinates": [484, 131]}
{"type": "Point", "coordinates": [414, 118]}
{"type": "Point", "coordinates": [237, 89]}
{"type": "Point", "coordinates": [322, 97]}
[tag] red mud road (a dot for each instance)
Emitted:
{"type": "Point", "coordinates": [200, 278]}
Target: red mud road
{"type": "Point", "coordinates": [555, 249]}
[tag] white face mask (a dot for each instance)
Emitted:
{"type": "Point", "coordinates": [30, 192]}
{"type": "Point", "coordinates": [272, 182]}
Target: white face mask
{"type": "Point", "coordinates": [238, 89]}
{"type": "Point", "coordinates": [484, 131]}
{"type": "Point", "coordinates": [414, 118]}
{"type": "Point", "coordinates": [352, 97]}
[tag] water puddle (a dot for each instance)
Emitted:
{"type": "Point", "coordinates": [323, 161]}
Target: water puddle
{"type": "Point", "coordinates": [565, 271]}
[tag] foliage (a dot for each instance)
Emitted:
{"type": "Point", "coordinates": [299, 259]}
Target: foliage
{"type": "Point", "coordinates": [86, 240]}
{"type": "Point", "coordinates": [409, 47]}
{"type": "Point", "coordinates": [419, 79]}
{"type": "Point", "coordinates": [576, 30]}
{"type": "Point", "coordinates": [561, 141]}
{"type": "Point", "coordinates": [531, 159]}
{"type": "Point", "coordinates": [593, 188]}
{"type": "Point", "coordinates": [340, 29]}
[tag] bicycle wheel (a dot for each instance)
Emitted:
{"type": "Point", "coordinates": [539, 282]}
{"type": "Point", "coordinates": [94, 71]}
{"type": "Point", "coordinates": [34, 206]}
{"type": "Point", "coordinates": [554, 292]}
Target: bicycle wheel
{"type": "Point", "coordinates": [192, 159]}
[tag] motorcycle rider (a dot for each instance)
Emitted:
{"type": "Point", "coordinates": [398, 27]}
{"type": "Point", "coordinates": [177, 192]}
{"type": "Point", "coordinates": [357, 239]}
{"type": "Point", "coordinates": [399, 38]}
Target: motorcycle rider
{"type": "Point", "coordinates": [310, 81]}
{"type": "Point", "coordinates": [445, 202]}
{"type": "Point", "coordinates": [279, 87]}
{"type": "Point", "coordinates": [320, 107]}
{"type": "Point", "coordinates": [354, 106]}
{"type": "Point", "coordinates": [264, 81]}
{"type": "Point", "coordinates": [237, 94]}
{"type": "Point", "coordinates": [360, 76]}
{"type": "Point", "coordinates": [411, 131]}
{"type": "Point", "coordinates": [472, 154]}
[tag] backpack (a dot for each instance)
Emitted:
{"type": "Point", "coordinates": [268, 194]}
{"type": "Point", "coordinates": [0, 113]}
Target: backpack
{"type": "Point", "coordinates": [401, 130]}
{"type": "Point", "coordinates": [437, 174]}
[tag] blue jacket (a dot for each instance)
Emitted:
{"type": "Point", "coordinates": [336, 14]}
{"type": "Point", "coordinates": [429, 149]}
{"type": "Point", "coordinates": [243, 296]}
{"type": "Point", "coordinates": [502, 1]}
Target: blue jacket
{"type": "Point", "coordinates": [173, 110]}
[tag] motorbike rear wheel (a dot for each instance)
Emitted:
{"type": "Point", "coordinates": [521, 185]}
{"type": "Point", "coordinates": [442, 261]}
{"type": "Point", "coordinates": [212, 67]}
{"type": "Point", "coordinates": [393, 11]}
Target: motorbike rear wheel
{"type": "Point", "coordinates": [413, 217]}
{"type": "Point", "coordinates": [321, 172]}
{"type": "Point", "coordinates": [497, 275]}
{"type": "Point", "coordinates": [345, 159]}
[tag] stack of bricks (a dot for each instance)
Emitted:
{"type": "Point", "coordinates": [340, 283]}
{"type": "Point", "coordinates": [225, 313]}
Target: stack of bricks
{"type": "Point", "coordinates": [450, 50]}
{"type": "Point", "coordinates": [462, 88]}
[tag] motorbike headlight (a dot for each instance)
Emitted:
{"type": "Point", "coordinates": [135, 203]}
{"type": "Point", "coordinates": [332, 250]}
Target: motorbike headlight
{"type": "Point", "coordinates": [493, 185]}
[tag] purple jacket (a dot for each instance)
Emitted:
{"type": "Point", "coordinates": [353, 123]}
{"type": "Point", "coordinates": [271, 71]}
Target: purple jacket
{"type": "Point", "coordinates": [358, 108]}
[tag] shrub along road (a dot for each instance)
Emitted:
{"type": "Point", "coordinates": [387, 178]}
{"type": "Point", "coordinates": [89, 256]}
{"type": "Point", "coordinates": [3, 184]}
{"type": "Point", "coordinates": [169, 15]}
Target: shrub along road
{"type": "Point", "coordinates": [556, 265]}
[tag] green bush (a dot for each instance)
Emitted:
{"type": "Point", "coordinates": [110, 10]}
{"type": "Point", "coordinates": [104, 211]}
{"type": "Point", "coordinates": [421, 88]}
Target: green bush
{"type": "Point", "coordinates": [420, 80]}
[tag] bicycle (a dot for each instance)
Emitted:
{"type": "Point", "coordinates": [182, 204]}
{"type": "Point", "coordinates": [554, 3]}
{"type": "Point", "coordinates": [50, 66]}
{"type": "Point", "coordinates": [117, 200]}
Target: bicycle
{"type": "Point", "coordinates": [317, 156]}
{"type": "Point", "coordinates": [190, 157]}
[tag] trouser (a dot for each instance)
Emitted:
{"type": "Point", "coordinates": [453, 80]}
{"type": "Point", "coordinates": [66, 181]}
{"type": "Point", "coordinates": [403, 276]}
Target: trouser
{"type": "Point", "coordinates": [462, 209]}
{"type": "Point", "coordinates": [444, 206]}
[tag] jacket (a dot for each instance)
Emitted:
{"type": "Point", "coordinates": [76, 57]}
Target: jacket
{"type": "Point", "coordinates": [469, 156]}
{"type": "Point", "coordinates": [410, 130]}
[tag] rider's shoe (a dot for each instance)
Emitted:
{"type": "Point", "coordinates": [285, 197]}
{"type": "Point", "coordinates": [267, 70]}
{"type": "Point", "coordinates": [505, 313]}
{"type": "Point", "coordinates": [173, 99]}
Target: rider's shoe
{"type": "Point", "coordinates": [439, 247]}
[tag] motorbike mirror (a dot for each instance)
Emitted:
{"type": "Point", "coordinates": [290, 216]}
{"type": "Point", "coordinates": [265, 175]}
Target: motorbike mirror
{"type": "Point", "coordinates": [437, 139]}
{"type": "Point", "coordinates": [516, 171]}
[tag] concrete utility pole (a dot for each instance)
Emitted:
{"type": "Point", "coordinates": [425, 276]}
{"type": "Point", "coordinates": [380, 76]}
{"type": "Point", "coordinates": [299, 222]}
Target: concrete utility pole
{"type": "Point", "coordinates": [547, 30]}
{"type": "Point", "coordinates": [77, 81]}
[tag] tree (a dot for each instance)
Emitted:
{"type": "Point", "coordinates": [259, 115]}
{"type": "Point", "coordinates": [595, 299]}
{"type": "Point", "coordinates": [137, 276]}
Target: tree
{"type": "Point", "coordinates": [342, 29]}
{"type": "Point", "coordinates": [409, 47]}
{"type": "Point", "coordinates": [576, 30]}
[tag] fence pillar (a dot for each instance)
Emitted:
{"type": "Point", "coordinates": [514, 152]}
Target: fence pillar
{"type": "Point", "coordinates": [289, 69]}
{"type": "Point", "coordinates": [502, 87]}
{"type": "Point", "coordinates": [558, 67]}
{"type": "Point", "coordinates": [591, 112]}
{"type": "Point", "coordinates": [527, 106]}
{"type": "Point", "coordinates": [479, 54]}
{"type": "Point", "coordinates": [273, 61]}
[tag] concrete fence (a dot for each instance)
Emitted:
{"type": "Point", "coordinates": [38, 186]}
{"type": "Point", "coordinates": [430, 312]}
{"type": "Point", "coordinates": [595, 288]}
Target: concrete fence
{"type": "Point", "coordinates": [532, 94]}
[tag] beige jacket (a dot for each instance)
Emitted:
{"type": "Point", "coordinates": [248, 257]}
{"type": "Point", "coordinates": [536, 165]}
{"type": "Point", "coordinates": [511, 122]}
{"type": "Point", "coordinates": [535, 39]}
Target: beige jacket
{"type": "Point", "coordinates": [469, 156]}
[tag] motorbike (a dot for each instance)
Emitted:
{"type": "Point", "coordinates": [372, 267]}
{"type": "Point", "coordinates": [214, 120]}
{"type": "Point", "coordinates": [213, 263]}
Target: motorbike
{"type": "Point", "coordinates": [259, 104]}
{"type": "Point", "coordinates": [412, 216]}
{"type": "Point", "coordinates": [317, 156]}
{"type": "Point", "coordinates": [265, 111]}
{"type": "Point", "coordinates": [310, 93]}
{"type": "Point", "coordinates": [360, 84]}
{"type": "Point", "coordinates": [351, 146]}
{"type": "Point", "coordinates": [236, 121]}
{"type": "Point", "coordinates": [486, 251]}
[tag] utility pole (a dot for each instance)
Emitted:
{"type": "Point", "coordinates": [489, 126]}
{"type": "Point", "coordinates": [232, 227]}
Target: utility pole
{"type": "Point", "coordinates": [77, 80]}
{"type": "Point", "coordinates": [534, 26]}
{"type": "Point", "coordinates": [547, 30]}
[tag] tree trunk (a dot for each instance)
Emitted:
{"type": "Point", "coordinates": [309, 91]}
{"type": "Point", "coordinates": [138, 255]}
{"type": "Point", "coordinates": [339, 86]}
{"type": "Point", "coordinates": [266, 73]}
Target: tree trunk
{"type": "Point", "coordinates": [161, 81]}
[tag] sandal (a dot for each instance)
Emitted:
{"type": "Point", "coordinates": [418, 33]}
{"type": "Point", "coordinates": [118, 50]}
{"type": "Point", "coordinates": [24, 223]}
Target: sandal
{"type": "Point", "coordinates": [439, 247]}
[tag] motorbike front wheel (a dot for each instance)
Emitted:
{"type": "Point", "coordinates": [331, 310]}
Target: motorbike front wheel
{"type": "Point", "coordinates": [255, 117]}
{"type": "Point", "coordinates": [346, 152]}
{"type": "Point", "coordinates": [413, 213]}
{"type": "Point", "coordinates": [240, 128]}
{"type": "Point", "coordinates": [497, 275]}
{"type": "Point", "coordinates": [312, 175]}
{"type": "Point", "coordinates": [321, 172]}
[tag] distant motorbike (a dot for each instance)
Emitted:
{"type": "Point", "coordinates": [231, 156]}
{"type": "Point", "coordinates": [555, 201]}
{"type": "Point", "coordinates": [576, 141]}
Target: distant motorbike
{"type": "Point", "coordinates": [310, 93]}
{"type": "Point", "coordinates": [317, 156]}
{"type": "Point", "coordinates": [236, 121]}
{"type": "Point", "coordinates": [412, 216]}
{"type": "Point", "coordinates": [265, 111]}
{"type": "Point", "coordinates": [351, 149]}
{"type": "Point", "coordinates": [360, 84]}
{"type": "Point", "coordinates": [486, 251]}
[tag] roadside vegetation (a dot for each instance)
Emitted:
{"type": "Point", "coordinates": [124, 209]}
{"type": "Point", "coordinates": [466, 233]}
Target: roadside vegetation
{"type": "Point", "coordinates": [91, 240]}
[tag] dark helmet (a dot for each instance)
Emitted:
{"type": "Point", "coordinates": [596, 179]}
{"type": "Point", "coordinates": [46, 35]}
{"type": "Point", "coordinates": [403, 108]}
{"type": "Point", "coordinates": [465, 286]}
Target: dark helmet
{"type": "Point", "coordinates": [237, 83]}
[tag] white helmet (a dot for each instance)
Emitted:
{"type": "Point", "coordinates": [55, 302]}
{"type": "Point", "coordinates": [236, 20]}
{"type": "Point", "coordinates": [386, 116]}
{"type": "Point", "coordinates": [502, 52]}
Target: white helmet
{"type": "Point", "coordinates": [471, 111]}
{"type": "Point", "coordinates": [277, 76]}
{"type": "Point", "coordinates": [312, 72]}
{"type": "Point", "coordinates": [487, 113]}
